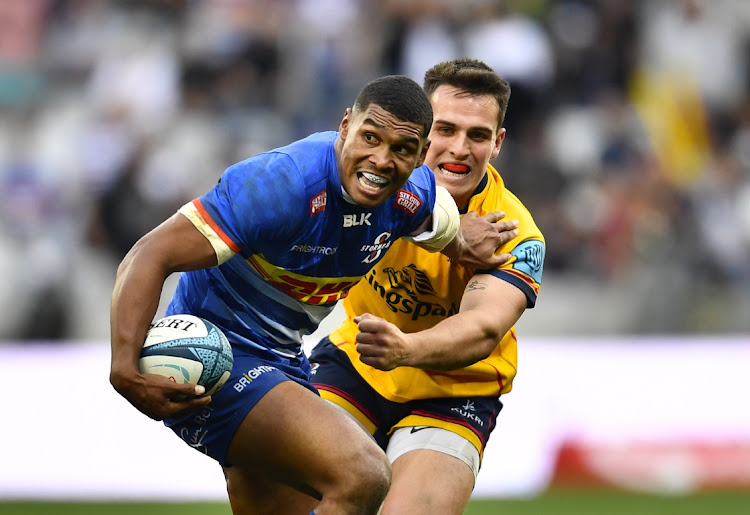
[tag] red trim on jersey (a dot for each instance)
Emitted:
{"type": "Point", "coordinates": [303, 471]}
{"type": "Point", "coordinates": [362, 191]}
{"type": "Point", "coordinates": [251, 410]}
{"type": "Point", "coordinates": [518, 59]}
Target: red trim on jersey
{"type": "Point", "coordinates": [525, 278]}
{"type": "Point", "coordinates": [351, 400]}
{"type": "Point", "coordinates": [207, 218]}
{"type": "Point", "coordinates": [261, 271]}
{"type": "Point", "coordinates": [499, 375]}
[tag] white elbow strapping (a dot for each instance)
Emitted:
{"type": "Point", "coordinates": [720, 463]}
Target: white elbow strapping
{"type": "Point", "coordinates": [445, 223]}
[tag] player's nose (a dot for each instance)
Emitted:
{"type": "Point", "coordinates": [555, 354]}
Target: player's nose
{"type": "Point", "coordinates": [382, 158]}
{"type": "Point", "coordinates": [459, 147]}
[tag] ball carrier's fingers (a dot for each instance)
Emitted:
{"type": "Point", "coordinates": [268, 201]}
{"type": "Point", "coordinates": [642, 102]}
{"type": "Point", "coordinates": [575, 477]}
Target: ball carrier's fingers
{"type": "Point", "coordinates": [496, 219]}
{"type": "Point", "coordinates": [506, 231]}
{"type": "Point", "coordinates": [479, 239]}
{"type": "Point", "coordinates": [158, 397]}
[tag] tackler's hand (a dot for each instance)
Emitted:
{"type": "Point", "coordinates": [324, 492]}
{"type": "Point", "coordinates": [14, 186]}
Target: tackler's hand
{"type": "Point", "coordinates": [380, 343]}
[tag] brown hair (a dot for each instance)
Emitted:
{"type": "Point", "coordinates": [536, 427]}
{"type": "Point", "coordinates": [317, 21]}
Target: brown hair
{"type": "Point", "coordinates": [472, 76]}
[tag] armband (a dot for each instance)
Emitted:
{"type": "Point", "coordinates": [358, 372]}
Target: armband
{"type": "Point", "coordinates": [223, 251]}
{"type": "Point", "coordinates": [445, 223]}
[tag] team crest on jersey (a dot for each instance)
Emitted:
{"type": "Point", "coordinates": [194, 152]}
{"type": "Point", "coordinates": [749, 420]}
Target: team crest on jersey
{"type": "Point", "coordinates": [407, 202]}
{"type": "Point", "coordinates": [382, 242]}
{"type": "Point", "coordinates": [318, 202]}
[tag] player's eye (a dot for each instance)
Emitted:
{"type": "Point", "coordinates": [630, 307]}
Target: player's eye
{"type": "Point", "coordinates": [479, 136]}
{"type": "Point", "coordinates": [405, 151]}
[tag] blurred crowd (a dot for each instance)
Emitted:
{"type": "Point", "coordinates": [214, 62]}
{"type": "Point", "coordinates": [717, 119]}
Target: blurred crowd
{"type": "Point", "coordinates": [628, 136]}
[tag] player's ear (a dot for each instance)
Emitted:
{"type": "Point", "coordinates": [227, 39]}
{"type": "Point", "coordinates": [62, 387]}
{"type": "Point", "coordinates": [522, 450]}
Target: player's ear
{"type": "Point", "coordinates": [344, 125]}
{"type": "Point", "coordinates": [423, 154]}
{"type": "Point", "coordinates": [498, 143]}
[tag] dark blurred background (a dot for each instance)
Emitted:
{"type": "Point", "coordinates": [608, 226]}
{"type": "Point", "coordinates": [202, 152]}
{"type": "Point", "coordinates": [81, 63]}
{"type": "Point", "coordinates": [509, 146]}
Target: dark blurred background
{"type": "Point", "coordinates": [628, 138]}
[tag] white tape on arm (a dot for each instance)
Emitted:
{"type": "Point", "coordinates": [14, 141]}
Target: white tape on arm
{"type": "Point", "coordinates": [223, 252]}
{"type": "Point", "coordinates": [445, 223]}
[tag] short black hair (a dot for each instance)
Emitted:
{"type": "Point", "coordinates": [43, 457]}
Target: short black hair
{"type": "Point", "coordinates": [400, 96]}
{"type": "Point", "coordinates": [472, 76]}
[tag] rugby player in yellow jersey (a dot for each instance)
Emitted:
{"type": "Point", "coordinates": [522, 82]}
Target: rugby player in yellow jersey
{"type": "Point", "coordinates": [428, 346]}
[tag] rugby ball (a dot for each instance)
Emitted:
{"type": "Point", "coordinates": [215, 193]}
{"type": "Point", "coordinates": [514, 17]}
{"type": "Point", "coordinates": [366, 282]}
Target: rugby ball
{"type": "Point", "coordinates": [187, 349]}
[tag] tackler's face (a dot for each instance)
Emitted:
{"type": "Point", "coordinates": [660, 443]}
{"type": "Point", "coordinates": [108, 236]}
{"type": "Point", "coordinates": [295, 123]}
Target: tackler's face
{"type": "Point", "coordinates": [378, 153]}
{"type": "Point", "coordinates": [464, 137]}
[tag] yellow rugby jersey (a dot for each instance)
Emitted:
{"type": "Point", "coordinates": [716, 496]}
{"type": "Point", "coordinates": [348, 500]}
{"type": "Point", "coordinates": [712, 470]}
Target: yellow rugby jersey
{"type": "Point", "coordinates": [415, 289]}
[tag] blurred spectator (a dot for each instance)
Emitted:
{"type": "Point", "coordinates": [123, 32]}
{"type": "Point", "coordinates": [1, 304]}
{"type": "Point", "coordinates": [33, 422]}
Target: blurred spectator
{"type": "Point", "coordinates": [427, 34]}
{"type": "Point", "coordinates": [136, 74]}
{"type": "Point", "coordinates": [629, 137]}
{"type": "Point", "coordinates": [519, 48]}
{"type": "Point", "coordinates": [21, 32]}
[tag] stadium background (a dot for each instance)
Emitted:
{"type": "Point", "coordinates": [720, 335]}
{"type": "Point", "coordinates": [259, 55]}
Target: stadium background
{"type": "Point", "coordinates": [628, 138]}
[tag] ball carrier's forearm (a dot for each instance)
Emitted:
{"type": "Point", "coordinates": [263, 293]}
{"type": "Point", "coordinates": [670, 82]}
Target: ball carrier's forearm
{"type": "Point", "coordinates": [135, 299]}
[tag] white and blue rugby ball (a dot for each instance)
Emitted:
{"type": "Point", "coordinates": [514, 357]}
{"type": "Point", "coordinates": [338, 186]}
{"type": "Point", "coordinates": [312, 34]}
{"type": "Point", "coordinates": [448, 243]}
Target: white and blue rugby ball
{"type": "Point", "coordinates": [187, 349]}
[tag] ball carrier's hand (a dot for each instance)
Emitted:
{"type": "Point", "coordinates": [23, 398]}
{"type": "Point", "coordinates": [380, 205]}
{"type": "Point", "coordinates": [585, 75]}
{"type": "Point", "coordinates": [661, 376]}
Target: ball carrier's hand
{"type": "Point", "coordinates": [159, 397]}
{"type": "Point", "coordinates": [479, 238]}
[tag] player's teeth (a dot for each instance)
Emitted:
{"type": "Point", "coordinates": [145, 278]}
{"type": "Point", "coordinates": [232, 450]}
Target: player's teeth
{"type": "Point", "coordinates": [453, 174]}
{"type": "Point", "coordinates": [375, 178]}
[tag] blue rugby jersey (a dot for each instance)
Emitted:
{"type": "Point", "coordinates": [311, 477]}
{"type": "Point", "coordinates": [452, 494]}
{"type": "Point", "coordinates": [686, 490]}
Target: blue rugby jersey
{"type": "Point", "coordinates": [300, 246]}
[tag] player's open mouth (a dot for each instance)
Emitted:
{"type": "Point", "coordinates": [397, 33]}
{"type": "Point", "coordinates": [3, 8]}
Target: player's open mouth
{"type": "Point", "coordinates": [454, 169]}
{"type": "Point", "coordinates": [372, 182]}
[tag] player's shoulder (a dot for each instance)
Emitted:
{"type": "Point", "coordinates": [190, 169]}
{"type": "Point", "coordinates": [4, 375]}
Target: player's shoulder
{"type": "Point", "coordinates": [503, 199]}
{"type": "Point", "coordinates": [422, 182]}
{"type": "Point", "coordinates": [422, 176]}
{"type": "Point", "coordinates": [313, 146]}
{"type": "Point", "coordinates": [299, 163]}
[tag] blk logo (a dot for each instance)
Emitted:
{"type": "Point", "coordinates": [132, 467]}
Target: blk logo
{"type": "Point", "coordinates": [355, 220]}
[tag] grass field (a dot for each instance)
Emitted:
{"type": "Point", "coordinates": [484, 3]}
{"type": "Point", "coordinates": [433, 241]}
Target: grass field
{"type": "Point", "coordinates": [558, 503]}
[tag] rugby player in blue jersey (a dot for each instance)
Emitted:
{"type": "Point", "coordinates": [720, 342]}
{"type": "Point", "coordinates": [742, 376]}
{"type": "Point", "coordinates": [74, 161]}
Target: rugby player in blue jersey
{"type": "Point", "coordinates": [265, 255]}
